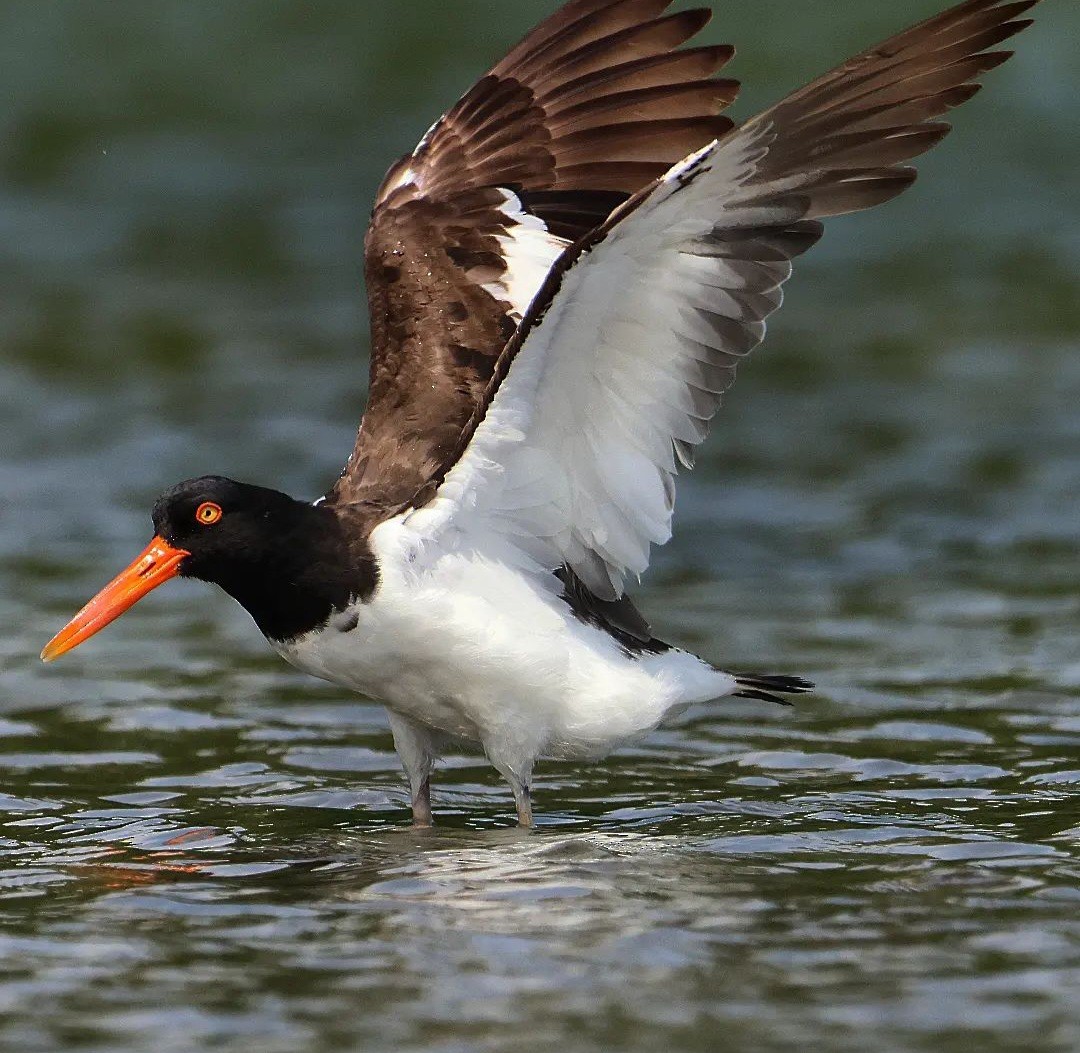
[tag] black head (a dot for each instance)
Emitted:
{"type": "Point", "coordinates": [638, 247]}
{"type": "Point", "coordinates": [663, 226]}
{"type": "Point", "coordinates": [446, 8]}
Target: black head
{"type": "Point", "coordinates": [231, 530]}
{"type": "Point", "coordinates": [289, 563]}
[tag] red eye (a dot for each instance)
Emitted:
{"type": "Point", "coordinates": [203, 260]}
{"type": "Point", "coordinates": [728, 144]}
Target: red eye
{"type": "Point", "coordinates": [208, 513]}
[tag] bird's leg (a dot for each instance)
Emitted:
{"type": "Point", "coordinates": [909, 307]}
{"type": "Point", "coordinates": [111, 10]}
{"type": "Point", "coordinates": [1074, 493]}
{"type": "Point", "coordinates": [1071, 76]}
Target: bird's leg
{"type": "Point", "coordinates": [418, 748]}
{"type": "Point", "coordinates": [514, 757]}
{"type": "Point", "coordinates": [421, 806]}
{"type": "Point", "coordinates": [519, 776]}
{"type": "Point", "coordinates": [523, 799]}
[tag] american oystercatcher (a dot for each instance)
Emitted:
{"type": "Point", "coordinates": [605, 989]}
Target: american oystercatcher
{"type": "Point", "coordinates": [563, 277]}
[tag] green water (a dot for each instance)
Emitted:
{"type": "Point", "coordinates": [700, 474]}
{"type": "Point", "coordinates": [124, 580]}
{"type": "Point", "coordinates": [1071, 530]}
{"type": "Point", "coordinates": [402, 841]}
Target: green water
{"type": "Point", "coordinates": [203, 850]}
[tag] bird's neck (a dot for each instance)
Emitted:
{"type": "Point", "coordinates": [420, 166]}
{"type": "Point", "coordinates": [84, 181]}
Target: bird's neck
{"type": "Point", "coordinates": [306, 576]}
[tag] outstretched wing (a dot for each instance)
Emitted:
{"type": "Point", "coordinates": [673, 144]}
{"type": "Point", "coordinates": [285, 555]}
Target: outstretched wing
{"type": "Point", "coordinates": [619, 366]}
{"type": "Point", "coordinates": [593, 105]}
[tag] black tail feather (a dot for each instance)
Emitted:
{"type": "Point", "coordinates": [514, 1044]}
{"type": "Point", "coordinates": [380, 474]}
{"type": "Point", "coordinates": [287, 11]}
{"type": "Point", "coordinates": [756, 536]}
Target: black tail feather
{"type": "Point", "coordinates": [771, 688]}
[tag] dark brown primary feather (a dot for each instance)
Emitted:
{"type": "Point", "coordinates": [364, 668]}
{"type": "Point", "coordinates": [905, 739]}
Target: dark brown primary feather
{"type": "Point", "coordinates": [592, 106]}
{"type": "Point", "coordinates": [857, 125]}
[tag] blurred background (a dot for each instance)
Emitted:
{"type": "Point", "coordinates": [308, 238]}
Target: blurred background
{"type": "Point", "coordinates": [205, 850]}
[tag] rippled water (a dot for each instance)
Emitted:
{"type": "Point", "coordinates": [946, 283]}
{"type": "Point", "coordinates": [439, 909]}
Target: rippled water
{"type": "Point", "coordinates": [203, 850]}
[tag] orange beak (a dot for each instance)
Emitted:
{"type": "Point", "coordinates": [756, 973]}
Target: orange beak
{"type": "Point", "coordinates": [155, 566]}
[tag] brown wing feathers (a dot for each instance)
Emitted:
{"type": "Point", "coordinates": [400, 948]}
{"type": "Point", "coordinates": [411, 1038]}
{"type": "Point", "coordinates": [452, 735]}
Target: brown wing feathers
{"type": "Point", "coordinates": [596, 86]}
{"type": "Point", "coordinates": [592, 106]}
{"type": "Point", "coordinates": [595, 99]}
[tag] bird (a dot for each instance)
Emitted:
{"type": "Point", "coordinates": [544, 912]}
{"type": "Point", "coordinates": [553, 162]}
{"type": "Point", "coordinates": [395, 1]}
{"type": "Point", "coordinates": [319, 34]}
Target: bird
{"type": "Point", "coordinates": [563, 278]}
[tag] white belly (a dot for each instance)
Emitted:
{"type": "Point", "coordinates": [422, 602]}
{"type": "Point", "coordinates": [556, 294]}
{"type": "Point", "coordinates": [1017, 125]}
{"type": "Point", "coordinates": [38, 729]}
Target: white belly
{"type": "Point", "coordinates": [477, 648]}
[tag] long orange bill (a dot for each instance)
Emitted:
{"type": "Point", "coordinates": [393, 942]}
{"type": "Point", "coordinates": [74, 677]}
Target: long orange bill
{"type": "Point", "coordinates": [155, 566]}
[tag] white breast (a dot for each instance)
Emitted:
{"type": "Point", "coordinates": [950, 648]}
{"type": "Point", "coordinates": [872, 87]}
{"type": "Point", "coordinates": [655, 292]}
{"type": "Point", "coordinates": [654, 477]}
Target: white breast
{"type": "Point", "coordinates": [482, 647]}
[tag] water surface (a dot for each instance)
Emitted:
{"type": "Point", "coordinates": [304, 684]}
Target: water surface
{"type": "Point", "coordinates": [204, 850]}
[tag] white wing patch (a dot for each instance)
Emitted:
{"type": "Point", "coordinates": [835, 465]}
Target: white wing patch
{"type": "Point", "coordinates": [530, 250]}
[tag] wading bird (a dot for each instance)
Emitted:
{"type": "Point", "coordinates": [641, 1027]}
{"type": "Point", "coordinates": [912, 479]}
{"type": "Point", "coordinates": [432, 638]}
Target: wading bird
{"type": "Point", "coordinates": [563, 277]}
